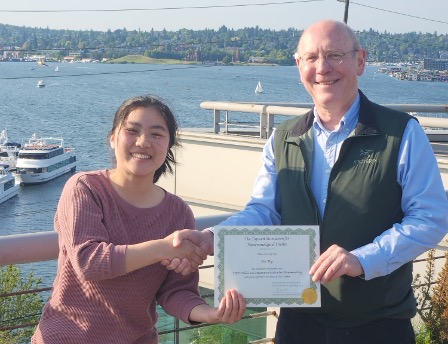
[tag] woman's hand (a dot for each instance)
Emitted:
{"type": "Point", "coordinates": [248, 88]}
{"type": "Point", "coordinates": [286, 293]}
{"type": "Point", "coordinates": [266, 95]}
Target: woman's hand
{"type": "Point", "coordinates": [186, 250]}
{"type": "Point", "coordinates": [230, 309]}
{"type": "Point", "coordinates": [154, 251]}
{"type": "Point", "coordinates": [203, 239]}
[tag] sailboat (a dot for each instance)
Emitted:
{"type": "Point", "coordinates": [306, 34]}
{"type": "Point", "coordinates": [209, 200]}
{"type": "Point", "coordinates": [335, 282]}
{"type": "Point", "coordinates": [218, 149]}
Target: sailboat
{"type": "Point", "coordinates": [56, 69]}
{"type": "Point", "coordinates": [259, 89]}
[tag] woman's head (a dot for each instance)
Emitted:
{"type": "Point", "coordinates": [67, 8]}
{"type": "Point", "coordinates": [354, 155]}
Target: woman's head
{"type": "Point", "coordinates": [148, 102]}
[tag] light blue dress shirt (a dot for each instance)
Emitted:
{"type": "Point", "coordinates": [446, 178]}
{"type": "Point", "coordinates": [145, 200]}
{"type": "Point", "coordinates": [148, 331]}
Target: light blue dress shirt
{"type": "Point", "coordinates": [424, 202]}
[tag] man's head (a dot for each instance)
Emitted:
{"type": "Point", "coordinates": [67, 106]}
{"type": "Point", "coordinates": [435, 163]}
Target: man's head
{"type": "Point", "coordinates": [330, 60]}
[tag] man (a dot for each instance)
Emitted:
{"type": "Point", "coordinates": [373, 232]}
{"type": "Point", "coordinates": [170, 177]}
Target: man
{"type": "Point", "coordinates": [355, 169]}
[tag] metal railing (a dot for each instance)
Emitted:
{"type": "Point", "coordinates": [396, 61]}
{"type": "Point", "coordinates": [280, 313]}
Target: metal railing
{"type": "Point", "coordinates": [267, 112]}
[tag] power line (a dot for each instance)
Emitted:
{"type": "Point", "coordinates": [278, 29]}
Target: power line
{"type": "Point", "coordinates": [211, 7]}
{"type": "Point", "coordinates": [401, 14]}
{"type": "Point", "coordinates": [103, 73]}
{"type": "Point", "coordinates": [161, 8]}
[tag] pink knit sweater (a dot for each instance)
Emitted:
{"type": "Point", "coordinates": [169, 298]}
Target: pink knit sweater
{"type": "Point", "coordinates": [93, 300]}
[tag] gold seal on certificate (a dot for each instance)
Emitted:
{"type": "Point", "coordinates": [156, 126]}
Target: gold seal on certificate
{"type": "Point", "coordinates": [309, 296]}
{"type": "Point", "coordinates": [269, 265]}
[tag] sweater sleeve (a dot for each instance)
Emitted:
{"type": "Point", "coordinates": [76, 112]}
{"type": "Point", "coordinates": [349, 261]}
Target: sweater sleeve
{"type": "Point", "coordinates": [179, 294]}
{"type": "Point", "coordinates": [83, 236]}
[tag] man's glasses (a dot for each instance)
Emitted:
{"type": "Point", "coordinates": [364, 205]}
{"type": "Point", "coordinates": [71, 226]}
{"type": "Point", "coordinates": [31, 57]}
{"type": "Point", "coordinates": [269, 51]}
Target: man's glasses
{"type": "Point", "coordinates": [333, 58]}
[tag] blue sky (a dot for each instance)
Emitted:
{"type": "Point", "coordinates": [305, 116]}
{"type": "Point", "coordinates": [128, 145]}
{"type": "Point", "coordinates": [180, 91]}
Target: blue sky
{"type": "Point", "coordinates": [394, 16]}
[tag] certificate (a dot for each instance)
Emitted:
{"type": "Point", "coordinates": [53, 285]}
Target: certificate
{"type": "Point", "coordinates": [268, 265]}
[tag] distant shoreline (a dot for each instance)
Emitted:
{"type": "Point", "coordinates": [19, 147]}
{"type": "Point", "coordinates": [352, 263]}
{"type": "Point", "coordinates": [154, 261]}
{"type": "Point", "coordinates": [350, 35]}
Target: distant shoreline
{"type": "Point", "coordinates": [141, 59]}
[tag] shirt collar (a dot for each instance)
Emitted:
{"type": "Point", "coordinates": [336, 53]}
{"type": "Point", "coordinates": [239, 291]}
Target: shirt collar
{"type": "Point", "coordinates": [348, 121]}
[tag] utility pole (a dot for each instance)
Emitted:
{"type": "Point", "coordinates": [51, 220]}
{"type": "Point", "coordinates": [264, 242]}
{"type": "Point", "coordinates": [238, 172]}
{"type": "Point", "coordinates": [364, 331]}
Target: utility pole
{"type": "Point", "coordinates": [346, 10]}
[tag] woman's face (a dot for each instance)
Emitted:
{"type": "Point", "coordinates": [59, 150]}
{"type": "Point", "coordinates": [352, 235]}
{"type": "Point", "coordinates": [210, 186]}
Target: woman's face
{"type": "Point", "coordinates": [141, 143]}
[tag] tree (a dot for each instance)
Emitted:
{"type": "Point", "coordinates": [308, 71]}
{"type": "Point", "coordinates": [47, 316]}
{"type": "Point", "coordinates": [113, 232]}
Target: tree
{"type": "Point", "coordinates": [18, 309]}
{"type": "Point", "coordinates": [226, 60]}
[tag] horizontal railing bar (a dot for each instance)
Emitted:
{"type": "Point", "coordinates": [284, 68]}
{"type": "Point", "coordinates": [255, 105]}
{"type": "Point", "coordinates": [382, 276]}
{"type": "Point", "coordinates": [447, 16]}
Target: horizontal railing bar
{"type": "Point", "coordinates": [261, 341]}
{"type": "Point", "coordinates": [255, 108]}
{"type": "Point", "coordinates": [43, 246]}
{"type": "Point", "coordinates": [435, 258]}
{"type": "Point", "coordinates": [250, 316]}
{"type": "Point", "coordinates": [266, 112]}
{"type": "Point", "coordinates": [428, 108]}
{"type": "Point", "coordinates": [301, 108]}
{"type": "Point", "coordinates": [28, 247]}
{"type": "Point", "coordinates": [15, 327]}
{"type": "Point", "coordinates": [424, 284]}
{"type": "Point", "coordinates": [22, 292]}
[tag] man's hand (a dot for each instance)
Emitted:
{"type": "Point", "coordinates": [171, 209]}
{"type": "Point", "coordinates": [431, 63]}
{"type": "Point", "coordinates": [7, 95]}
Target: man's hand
{"type": "Point", "coordinates": [187, 250]}
{"type": "Point", "coordinates": [334, 263]}
{"type": "Point", "coordinates": [202, 239]}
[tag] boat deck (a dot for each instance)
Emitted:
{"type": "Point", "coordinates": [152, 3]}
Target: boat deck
{"type": "Point", "coordinates": [40, 147]}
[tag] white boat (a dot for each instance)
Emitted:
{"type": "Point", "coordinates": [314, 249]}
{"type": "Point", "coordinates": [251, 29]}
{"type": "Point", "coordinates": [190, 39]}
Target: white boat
{"type": "Point", "coordinates": [259, 89]}
{"type": "Point", "coordinates": [40, 84]}
{"type": "Point", "coordinates": [43, 159]}
{"type": "Point", "coordinates": [41, 62]}
{"type": "Point", "coordinates": [56, 69]}
{"type": "Point", "coordinates": [8, 185]}
{"type": "Point", "coordinates": [8, 150]}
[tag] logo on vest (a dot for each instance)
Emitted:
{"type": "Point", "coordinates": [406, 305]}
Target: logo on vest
{"type": "Point", "coordinates": [366, 157]}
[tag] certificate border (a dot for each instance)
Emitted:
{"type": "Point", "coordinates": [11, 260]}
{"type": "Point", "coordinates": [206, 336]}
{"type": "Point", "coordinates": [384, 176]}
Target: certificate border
{"type": "Point", "coordinates": [259, 230]}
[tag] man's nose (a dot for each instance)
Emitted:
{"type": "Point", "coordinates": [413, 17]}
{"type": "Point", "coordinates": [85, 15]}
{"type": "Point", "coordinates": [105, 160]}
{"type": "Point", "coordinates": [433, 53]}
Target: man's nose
{"type": "Point", "coordinates": [322, 64]}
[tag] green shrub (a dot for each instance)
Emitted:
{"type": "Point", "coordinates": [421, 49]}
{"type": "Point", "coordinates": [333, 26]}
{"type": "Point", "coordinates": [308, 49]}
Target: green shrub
{"type": "Point", "coordinates": [18, 309]}
{"type": "Point", "coordinates": [432, 303]}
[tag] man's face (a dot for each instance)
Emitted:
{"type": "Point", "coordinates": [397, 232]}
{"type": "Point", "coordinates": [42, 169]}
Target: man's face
{"type": "Point", "coordinates": [332, 85]}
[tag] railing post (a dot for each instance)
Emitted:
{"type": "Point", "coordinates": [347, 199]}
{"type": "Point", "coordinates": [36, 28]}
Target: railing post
{"type": "Point", "coordinates": [176, 334]}
{"type": "Point", "coordinates": [217, 120]}
{"type": "Point", "coordinates": [227, 122]}
{"type": "Point", "coordinates": [263, 123]}
{"type": "Point", "coordinates": [270, 125]}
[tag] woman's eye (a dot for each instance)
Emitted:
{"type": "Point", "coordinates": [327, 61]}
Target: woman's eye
{"type": "Point", "coordinates": [131, 130]}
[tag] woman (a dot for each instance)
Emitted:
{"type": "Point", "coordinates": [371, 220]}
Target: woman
{"type": "Point", "coordinates": [114, 228]}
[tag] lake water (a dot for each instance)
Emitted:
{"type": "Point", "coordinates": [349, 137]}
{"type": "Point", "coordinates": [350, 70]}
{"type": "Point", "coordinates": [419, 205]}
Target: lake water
{"type": "Point", "coordinates": [79, 101]}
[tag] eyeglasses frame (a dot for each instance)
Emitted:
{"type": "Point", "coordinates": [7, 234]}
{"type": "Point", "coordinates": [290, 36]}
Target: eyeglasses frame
{"type": "Point", "coordinates": [297, 57]}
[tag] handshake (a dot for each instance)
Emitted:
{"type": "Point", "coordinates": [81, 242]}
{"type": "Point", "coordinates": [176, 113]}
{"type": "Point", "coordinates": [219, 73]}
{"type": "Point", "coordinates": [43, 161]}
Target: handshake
{"type": "Point", "coordinates": [187, 250]}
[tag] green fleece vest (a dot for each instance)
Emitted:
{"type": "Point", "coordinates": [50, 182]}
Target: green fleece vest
{"type": "Point", "coordinates": [364, 200]}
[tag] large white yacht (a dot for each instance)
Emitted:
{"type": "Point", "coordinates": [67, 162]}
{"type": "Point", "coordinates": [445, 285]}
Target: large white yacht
{"type": "Point", "coordinates": [8, 186]}
{"type": "Point", "coordinates": [43, 159]}
{"type": "Point", "coordinates": [8, 150]}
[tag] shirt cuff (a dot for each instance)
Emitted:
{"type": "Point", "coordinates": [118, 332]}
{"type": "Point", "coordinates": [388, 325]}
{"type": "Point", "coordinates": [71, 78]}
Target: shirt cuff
{"type": "Point", "coordinates": [371, 260]}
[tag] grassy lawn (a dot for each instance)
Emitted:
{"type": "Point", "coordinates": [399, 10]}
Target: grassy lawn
{"type": "Point", "coordinates": [149, 60]}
